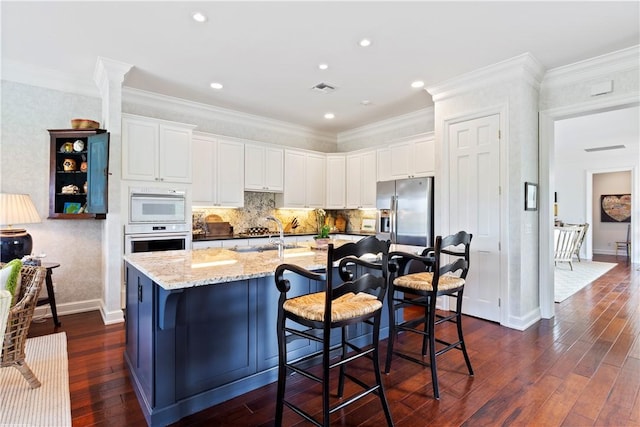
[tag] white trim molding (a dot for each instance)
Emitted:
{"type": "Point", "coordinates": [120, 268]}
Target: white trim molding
{"type": "Point", "coordinates": [151, 99]}
{"type": "Point", "coordinates": [524, 66]}
{"type": "Point", "coordinates": [387, 126]}
{"type": "Point", "coordinates": [20, 72]}
{"type": "Point", "coordinates": [621, 60]}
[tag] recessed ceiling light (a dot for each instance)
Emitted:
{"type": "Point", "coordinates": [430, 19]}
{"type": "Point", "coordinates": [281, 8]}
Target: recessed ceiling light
{"type": "Point", "coordinates": [365, 102]}
{"type": "Point", "coordinates": [199, 17]}
{"type": "Point", "coordinates": [365, 43]}
{"type": "Point", "coordinates": [417, 84]}
{"type": "Point", "coordinates": [323, 66]}
{"type": "Point", "coordinates": [329, 116]}
{"type": "Point", "coordinates": [215, 85]}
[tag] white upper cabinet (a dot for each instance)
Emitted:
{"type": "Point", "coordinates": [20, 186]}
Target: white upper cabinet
{"type": "Point", "coordinates": [263, 168]}
{"type": "Point", "coordinates": [384, 164]}
{"type": "Point", "coordinates": [361, 180]}
{"type": "Point", "coordinates": [304, 180]}
{"type": "Point", "coordinates": [336, 184]}
{"type": "Point", "coordinates": [218, 170]}
{"type": "Point", "coordinates": [156, 150]}
{"type": "Point", "coordinates": [410, 159]}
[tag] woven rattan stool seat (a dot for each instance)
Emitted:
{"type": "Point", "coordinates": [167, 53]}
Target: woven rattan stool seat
{"type": "Point", "coordinates": [348, 306]}
{"type": "Point", "coordinates": [423, 282]}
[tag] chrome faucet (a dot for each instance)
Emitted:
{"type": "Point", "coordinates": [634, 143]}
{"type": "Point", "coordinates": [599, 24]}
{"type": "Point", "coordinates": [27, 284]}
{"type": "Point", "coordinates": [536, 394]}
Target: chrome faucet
{"type": "Point", "coordinates": [280, 241]}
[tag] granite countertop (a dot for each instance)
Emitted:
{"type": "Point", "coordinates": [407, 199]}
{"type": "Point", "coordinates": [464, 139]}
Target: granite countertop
{"type": "Point", "coordinates": [199, 267]}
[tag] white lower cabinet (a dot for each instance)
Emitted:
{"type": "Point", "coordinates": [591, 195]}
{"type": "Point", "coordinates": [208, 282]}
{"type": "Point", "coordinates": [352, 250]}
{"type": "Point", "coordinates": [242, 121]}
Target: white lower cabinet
{"type": "Point", "coordinates": [218, 170]}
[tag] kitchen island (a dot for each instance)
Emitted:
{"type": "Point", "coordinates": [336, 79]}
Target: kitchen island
{"type": "Point", "coordinates": [201, 325]}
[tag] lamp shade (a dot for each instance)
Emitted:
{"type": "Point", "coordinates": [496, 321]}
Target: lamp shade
{"type": "Point", "coordinates": [17, 209]}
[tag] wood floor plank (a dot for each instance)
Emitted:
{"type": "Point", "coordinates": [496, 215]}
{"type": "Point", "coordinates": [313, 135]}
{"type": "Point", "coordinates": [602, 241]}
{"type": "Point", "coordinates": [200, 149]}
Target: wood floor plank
{"type": "Point", "coordinates": [579, 368]}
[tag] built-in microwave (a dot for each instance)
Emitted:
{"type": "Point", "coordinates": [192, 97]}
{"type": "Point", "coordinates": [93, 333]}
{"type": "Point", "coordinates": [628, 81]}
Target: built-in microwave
{"type": "Point", "coordinates": [156, 205]}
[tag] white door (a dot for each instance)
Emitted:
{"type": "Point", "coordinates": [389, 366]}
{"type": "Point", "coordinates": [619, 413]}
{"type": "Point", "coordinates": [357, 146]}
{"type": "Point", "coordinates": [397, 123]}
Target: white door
{"type": "Point", "coordinates": [475, 207]}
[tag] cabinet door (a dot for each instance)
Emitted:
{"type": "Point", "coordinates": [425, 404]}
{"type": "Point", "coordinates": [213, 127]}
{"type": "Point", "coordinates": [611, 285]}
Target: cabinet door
{"type": "Point", "coordinates": [401, 163]}
{"type": "Point", "coordinates": [274, 169]}
{"type": "Point", "coordinates": [174, 154]}
{"type": "Point", "coordinates": [424, 157]}
{"type": "Point", "coordinates": [139, 150]}
{"type": "Point", "coordinates": [368, 180]}
{"type": "Point", "coordinates": [383, 164]}
{"type": "Point", "coordinates": [97, 173]}
{"type": "Point", "coordinates": [294, 180]}
{"type": "Point", "coordinates": [354, 178]}
{"type": "Point", "coordinates": [230, 173]}
{"type": "Point", "coordinates": [254, 168]}
{"type": "Point", "coordinates": [315, 181]}
{"type": "Point", "coordinates": [204, 162]}
{"type": "Point", "coordinates": [335, 182]}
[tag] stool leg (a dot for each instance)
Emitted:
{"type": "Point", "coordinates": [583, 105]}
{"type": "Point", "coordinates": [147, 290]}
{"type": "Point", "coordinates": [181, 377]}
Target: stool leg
{"type": "Point", "coordinates": [392, 330]}
{"type": "Point", "coordinates": [326, 345]}
{"type": "Point", "coordinates": [432, 346]}
{"type": "Point", "coordinates": [460, 336]}
{"type": "Point", "coordinates": [282, 368]}
{"type": "Point", "coordinates": [376, 369]}
{"type": "Point", "coordinates": [345, 350]}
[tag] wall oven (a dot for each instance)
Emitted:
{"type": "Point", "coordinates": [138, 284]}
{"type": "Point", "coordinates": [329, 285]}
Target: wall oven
{"type": "Point", "coordinates": [157, 221]}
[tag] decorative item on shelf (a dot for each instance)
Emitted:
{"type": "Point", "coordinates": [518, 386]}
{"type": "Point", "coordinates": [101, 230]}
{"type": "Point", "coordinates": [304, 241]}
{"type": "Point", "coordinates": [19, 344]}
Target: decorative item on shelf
{"type": "Point", "coordinates": [16, 209]}
{"type": "Point", "coordinates": [78, 145]}
{"type": "Point", "coordinates": [72, 207]}
{"type": "Point", "coordinates": [85, 187]}
{"type": "Point", "coordinates": [84, 124]}
{"type": "Point", "coordinates": [69, 165]}
{"type": "Point", "coordinates": [67, 147]}
{"type": "Point", "coordinates": [70, 189]}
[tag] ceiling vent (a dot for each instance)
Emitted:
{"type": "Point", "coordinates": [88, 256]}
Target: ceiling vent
{"type": "Point", "coordinates": [323, 88]}
{"type": "Point", "coordinates": [610, 147]}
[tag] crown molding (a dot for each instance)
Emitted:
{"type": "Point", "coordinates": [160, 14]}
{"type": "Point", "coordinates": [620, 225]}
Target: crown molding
{"type": "Point", "coordinates": [524, 66]}
{"type": "Point", "coordinates": [20, 72]}
{"type": "Point", "coordinates": [109, 70]}
{"type": "Point", "coordinates": [151, 99]}
{"type": "Point", "coordinates": [387, 125]}
{"type": "Point", "coordinates": [620, 60]}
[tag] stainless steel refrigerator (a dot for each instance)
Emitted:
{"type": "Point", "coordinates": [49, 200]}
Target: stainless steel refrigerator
{"type": "Point", "coordinates": [405, 211]}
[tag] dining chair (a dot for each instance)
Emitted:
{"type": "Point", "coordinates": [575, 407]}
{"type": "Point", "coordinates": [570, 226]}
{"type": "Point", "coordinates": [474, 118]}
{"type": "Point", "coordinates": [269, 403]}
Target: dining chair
{"type": "Point", "coordinates": [445, 268]}
{"type": "Point", "coordinates": [355, 296]}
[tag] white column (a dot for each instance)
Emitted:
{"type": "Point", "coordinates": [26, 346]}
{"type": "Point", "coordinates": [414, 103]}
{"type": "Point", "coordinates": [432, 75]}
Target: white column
{"type": "Point", "coordinates": [108, 76]}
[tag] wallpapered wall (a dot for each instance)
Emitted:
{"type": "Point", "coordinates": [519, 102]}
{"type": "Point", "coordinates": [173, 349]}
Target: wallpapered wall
{"type": "Point", "coordinates": [27, 113]}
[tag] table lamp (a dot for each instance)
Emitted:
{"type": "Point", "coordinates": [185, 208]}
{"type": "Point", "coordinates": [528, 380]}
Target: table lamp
{"type": "Point", "coordinates": [16, 209]}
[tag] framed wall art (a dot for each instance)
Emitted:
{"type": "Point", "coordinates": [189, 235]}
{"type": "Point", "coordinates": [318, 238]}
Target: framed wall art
{"type": "Point", "coordinates": [615, 208]}
{"type": "Point", "coordinates": [530, 196]}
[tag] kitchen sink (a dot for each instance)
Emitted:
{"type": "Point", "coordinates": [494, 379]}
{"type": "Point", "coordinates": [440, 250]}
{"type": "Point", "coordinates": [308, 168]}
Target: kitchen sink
{"type": "Point", "coordinates": [263, 248]}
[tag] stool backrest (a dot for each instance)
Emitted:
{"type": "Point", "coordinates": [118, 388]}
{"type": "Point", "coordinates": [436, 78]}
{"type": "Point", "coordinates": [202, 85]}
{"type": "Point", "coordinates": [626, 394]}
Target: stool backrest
{"type": "Point", "coordinates": [457, 248]}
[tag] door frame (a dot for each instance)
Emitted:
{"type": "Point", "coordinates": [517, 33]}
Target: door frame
{"type": "Point", "coordinates": [442, 189]}
{"type": "Point", "coordinates": [547, 119]}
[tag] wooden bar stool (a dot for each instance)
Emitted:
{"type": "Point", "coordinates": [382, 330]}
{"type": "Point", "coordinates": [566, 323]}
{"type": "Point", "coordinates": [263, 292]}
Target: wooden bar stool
{"type": "Point", "coordinates": [422, 289]}
{"type": "Point", "coordinates": [336, 307]}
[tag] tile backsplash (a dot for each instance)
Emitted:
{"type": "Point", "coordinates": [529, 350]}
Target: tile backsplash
{"type": "Point", "coordinates": [257, 206]}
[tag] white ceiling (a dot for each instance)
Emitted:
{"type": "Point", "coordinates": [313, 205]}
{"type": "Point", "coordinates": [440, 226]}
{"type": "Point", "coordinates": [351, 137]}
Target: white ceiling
{"type": "Point", "coordinates": [266, 53]}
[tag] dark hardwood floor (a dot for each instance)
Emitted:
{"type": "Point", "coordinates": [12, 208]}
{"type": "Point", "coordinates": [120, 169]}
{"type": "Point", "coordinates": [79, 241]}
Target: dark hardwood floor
{"type": "Point", "coordinates": [581, 368]}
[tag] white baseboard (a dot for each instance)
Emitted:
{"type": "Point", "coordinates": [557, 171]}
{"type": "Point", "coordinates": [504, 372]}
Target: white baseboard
{"type": "Point", "coordinates": [44, 311]}
{"type": "Point", "coordinates": [523, 322]}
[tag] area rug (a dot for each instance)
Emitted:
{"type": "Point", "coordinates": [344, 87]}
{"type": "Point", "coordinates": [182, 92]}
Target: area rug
{"type": "Point", "coordinates": [48, 405]}
{"type": "Point", "coordinates": [569, 282]}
